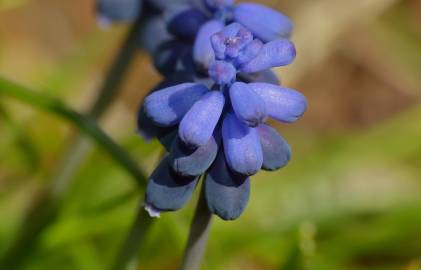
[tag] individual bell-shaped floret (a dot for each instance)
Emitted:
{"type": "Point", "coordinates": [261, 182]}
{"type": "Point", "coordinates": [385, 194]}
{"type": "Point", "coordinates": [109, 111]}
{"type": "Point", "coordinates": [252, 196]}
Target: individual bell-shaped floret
{"type": "Point", "coordinates": [184, 21]}
{"type": "Point", "coordinates": [222, 73]}
{"type": "Point", "coordinates": [283, 104]}
{"type": "Point", "coordinates": [228, 43]}
{"type": "Point", "coordinates": [167, 191]}
{"type": "Point", "coordinates": [186, 161]}
{"type": "Point", "coordinates": [276, 151]}
{"type": "Point", "coordinates": [242, 147]}
{"type": "Point", "coordinates": [203, 53]}
{"type": "Point", "coordinates": [198, 125]}
{"type": "Point", "coordinates": [167, 107]}
{"type": "Point", "coordinates": [265, 23]}
{"type": "Point", "coordinates": [118, 10]}
{"type": "Point", "coordinates": [226, 192]}
{"type": "Point", "coordinates": [280, 52]}
{"type": "Point", "coordinates": [247, 104]}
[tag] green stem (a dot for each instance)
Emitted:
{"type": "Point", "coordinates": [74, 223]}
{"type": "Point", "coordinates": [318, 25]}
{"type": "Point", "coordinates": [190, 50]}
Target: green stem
{"type": "Point", "coordinates": [127, 254]}
{"type": "Point", "coordinates": [198, 237]}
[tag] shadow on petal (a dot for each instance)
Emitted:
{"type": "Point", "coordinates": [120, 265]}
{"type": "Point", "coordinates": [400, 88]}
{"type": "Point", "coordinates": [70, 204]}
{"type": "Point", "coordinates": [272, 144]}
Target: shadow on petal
{"type": "Point", "coordinates": [167, 191]}
{"type": "Point", "coordinates": [276, 151]}
{"type": "Point", "coordinates": [192, 162]}
{"type": "Point", "coordinates": [167, 106]}
{"type": "Point", "coordinates": [227, 193]}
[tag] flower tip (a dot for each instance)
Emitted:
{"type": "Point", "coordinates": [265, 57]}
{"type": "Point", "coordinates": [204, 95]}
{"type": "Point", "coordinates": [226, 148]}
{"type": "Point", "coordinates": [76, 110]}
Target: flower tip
{"type": "Point", "coordinates": [152, 211]}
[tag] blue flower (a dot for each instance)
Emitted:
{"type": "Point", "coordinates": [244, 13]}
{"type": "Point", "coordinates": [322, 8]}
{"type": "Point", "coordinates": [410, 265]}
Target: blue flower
{"type": "Point", "coordinates": [216, 125]}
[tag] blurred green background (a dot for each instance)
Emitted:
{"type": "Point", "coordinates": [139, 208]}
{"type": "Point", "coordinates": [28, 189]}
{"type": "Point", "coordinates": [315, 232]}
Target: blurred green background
{"type": "Point", "coordinates": [350, 198]}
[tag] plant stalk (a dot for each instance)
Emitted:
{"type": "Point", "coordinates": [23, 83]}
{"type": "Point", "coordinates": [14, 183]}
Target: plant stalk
{"type": "Point", "coordinates": [198, 236]}
{"type": "Point", "coordinates": [127, 254]}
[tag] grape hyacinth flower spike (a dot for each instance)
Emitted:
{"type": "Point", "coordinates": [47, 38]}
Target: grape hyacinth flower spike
{"type": "Point", "coordinates": [220, 130]}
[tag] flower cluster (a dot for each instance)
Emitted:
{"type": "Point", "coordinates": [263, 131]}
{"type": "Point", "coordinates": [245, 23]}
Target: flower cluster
{"type": "Point", "coordinates": [210, 111]}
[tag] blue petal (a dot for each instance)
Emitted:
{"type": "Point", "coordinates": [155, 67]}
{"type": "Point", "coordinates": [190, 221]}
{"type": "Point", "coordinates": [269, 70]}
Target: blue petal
{"type": "Point", "coordinates": [197, 126]}
{"type": "Point", "coordinates": [265, 23]}
{"type": "Point", "coordinates": [167, 107]}
{"type": "Point", "coordinates": [248, 53]}
{"type": "Point", "coordinates": [145, 126]}
{"type": "Point", "coordinates": [119, 10]}
{"type": "Point", "coordinates": [153, 33]}
{"type": "Point", "coordinates": [172, 56]}
{"type": "Point", "coordinates": [266, 76]}
{"type": "Point", "coordinates": [276, 151]}
{"type": "Point", "coordinates": [242, 146]}
{"type": "Point", "coordinates": [167, 137]}
{"type": "Point", "coordinates": [193, 162]}
{"type": "Point", "coordinates": [148, 130]}
{"type": "Point", "coordinates": [184, 21]}
{"type": "Point", "coordinates": [276, 53]}
{"type": "Point", "coordinates": [230, 41]}
{"type": "Point", "coordinates": [222, 72]}
{"type": "Point", "coordinates": [247, 104]}
{"type": "Point", "coordinates": [167, 191]}
{"type": "Point", "coordinates": [226, 192]}
{"type": "Point", "coordinates": [231, 30]}
{"type": "Point", "coordinates": [283, 104]}
{"type": "Point", "coordinates": [203, 53]}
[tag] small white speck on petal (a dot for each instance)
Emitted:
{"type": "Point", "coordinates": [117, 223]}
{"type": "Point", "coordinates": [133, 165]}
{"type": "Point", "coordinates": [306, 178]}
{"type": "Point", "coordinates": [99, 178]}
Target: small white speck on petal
{"type": "Point", "coordinates": [152, 211]}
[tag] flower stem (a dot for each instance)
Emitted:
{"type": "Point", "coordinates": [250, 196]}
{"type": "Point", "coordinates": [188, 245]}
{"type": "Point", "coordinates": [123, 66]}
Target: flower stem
{"type": "Point", "coordinates": [128, 252]}
{"type": "Point", "coordinates": [198, 237]}
{"type": "Point", "coordinates": [126, 257]}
